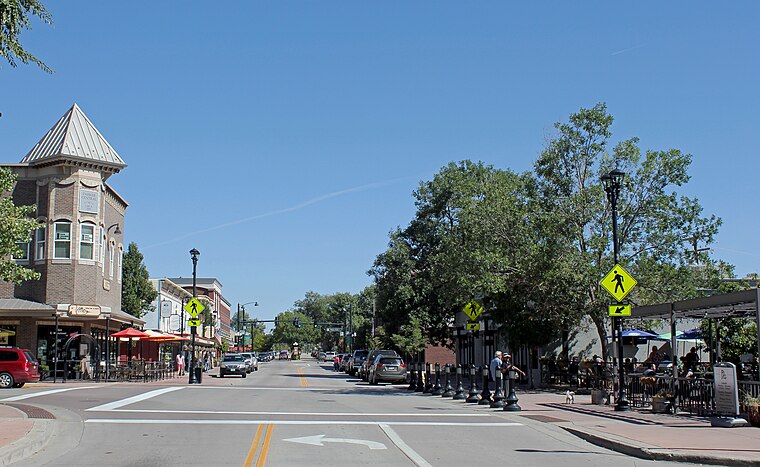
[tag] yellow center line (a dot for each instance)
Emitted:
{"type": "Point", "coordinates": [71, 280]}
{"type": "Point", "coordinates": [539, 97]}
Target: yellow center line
{"type": "Point", "coordinates": [254, 447]}
{"type": "Point", "coordinates": [265, 447]}
{"type": "Point", "coordinates": [304, 383]}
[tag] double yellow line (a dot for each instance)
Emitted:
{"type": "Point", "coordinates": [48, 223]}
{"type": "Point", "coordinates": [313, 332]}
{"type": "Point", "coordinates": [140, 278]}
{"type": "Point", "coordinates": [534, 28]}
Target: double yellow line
{"type": "Point", "coordinates": [262, 458]}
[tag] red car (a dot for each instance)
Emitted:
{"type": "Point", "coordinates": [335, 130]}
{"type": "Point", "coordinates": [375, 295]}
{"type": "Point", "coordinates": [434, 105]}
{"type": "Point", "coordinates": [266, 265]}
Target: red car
{"type": "Point", "coordinates": [17, 367]}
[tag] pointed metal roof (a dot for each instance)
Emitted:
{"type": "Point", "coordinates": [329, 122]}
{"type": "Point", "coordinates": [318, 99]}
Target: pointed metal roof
{"type": "Point", "coordinates": [74, 137]}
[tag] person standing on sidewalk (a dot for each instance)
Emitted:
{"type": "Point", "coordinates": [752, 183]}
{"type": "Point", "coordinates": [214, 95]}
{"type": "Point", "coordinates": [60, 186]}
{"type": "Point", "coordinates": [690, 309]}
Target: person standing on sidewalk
{"type": "Point", "coordinates": [494, 366]}
{"type": "Point", "coordinates": [180, 364]}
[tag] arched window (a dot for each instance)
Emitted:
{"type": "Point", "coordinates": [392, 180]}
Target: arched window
{"type": "Point", "coordinates": [118, 265]}
{"type": "Point", "coordinates": [62, 240]}
{"type": "Point", "coordinates": [111, 249]}
{"type": "Point", "coordinates": [87, 241]}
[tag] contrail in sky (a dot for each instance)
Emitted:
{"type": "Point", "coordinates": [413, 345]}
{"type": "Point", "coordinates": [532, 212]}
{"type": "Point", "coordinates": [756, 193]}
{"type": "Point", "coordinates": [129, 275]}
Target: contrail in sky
{"type": "Point", "coordinates": [627, 50]}
{"type": "Point", "coordinates": [298, 206]}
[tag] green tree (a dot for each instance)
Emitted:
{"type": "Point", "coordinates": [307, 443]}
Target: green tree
{"type": "Point", "coordinates": [14, 19]}
{"type": "Point", "coordinates": [16, 229]}
{"type": "Point", "coordinates": [137, 293]}
{"type": "Point", "coordinates": [656, 224]}
{"type": "Point", "coordinates": [285, 332]}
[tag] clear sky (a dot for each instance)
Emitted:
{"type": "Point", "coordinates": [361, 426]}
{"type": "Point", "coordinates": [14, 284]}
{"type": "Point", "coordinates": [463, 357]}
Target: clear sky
{"type": "Point", "coordinates": [283, 139]}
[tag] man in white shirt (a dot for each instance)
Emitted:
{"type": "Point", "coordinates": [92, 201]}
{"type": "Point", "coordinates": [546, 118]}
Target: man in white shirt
{"type": "Point", "coordinates": [494, 366]}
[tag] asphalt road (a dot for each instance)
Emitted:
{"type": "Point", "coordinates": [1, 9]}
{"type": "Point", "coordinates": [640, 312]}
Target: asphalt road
{"type": "Point", "coordinates": [289, 414]}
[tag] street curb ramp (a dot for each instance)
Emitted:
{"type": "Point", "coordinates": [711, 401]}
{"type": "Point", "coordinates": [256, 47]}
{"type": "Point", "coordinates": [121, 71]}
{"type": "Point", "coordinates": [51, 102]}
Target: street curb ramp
{"type": "Point", "coordinates": [645, 451]}
{"type": "Point", "coordinates": [61, 430]}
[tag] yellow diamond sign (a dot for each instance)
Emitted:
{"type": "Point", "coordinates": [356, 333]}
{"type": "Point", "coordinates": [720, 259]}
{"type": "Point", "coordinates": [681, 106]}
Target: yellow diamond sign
{"type": "Point", "coordinates": [194, 307]}
{"type": "Point", "coordinates": [619, 310]}
{"type": "Point", "coordinates": [618, 282]}
{"type": "Point", "coordinates": [473, 309]}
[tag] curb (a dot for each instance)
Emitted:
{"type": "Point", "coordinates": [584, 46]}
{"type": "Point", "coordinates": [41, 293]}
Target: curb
{"type": "Point", "coordinates": [37, 438]}
{"type": "Point", "coordinates": [644, 451]}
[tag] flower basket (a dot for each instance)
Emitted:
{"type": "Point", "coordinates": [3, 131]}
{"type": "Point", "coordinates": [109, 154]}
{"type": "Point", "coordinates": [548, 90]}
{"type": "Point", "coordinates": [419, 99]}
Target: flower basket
{"type": "Point", "coordinates": [661, 404]}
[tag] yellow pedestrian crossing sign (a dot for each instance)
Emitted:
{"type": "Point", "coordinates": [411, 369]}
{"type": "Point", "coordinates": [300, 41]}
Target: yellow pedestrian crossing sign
{"type": "Point", "coordinates": [619, 310]}
{"type": "Point", "coordinates": [618, 282]}
{"type": "Point", "coordinates": [193, 322]}
{"type": "Point", "coordinates": [472, 326]}
{"type": "Point", "coordinates": [473, 309]}
{"type": "Point", "coordinates": [194, 307]}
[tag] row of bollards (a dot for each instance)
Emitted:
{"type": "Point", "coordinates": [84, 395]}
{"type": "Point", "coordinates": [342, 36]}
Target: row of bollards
{"type": "Point", "coordinates": [437, 381]}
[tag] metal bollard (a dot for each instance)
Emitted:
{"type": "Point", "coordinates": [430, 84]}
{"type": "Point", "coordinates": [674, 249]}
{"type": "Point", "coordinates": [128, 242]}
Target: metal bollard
{"type": "Point", "coordinates": [420, 384]}
{"type": "Point", "coordinates": [485, 396]}
{"type": "Point", "coordinates": [511, 401]}
{"type": "Point", "coordinates": [428, 380]}
{"type": "Point", "coordinates": [459, 394]}
{"type": "Point", "coordinates": [412, 376]}
{"type": "Point", "coordinates": [449, 390]}
{"type": "Point", "coordinates": [498, 397]}
{"type": "Point", "coordinates": [437, 388]}
{"type": "Point", "coordinates": [473, 396]}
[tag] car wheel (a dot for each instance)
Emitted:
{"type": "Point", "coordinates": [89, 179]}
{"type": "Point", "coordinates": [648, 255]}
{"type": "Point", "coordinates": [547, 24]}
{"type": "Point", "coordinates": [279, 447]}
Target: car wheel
{"type": "Point", "coordinates": [18, 385]}
{"type": "Point", "coordinates": [245, 375]}
{"type": "Point", "coordinates": [6, 380]}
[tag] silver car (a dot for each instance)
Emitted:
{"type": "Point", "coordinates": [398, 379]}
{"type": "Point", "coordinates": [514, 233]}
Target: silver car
{"type": "Point", "coordinates": [387, 368]}
{"type": "Point", "coordinates": [233, 364]}
{"type": "Point", "coordinates": [251, 361]}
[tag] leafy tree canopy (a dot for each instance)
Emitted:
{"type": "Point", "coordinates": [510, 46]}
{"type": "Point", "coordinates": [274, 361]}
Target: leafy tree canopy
{"type": "Point", "coordinates": [137, 293]}
{"type": "Point", "coordinates": [16, 229]}
{"type": "Point", "coordinates": [14, 19]}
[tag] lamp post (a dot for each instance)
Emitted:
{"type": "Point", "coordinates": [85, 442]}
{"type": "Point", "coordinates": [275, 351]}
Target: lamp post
{"type": "Point", "coordinates": [612, 182]}
{"type": "Point", "coordinates": [194, 255]}
{"type": "Point", "coordinates": [241, 308]}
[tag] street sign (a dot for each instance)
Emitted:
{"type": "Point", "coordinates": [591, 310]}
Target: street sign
{"type": "Point", "coordinates": [472, 326]}
{"type": "Point", "coordinates": [473, 309]}
{"type": "Point", "coordinates": [333, 329]}
{"type": "Point", "coordinates": [193, 322]}
{"type": "Point", "coordinates": [618, 282]}
{"type": "Point", "coordinates": [619, 310]}
{"type": "Point", "coordinates": [194, 307]}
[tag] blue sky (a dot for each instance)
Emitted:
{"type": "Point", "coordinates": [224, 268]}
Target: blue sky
{"type": "Point", "coordinates": [284, 139]}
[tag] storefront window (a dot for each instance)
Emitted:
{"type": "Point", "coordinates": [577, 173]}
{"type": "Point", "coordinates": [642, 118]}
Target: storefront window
{"type": "Point", "coordinates": [8, 334]}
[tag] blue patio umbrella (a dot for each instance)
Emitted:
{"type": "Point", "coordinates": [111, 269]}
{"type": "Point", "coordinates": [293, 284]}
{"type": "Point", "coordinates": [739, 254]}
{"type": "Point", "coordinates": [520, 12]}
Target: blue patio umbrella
{"type": "Point", "coordinates": [639, 333]}
{"type": "Point", "coordinates": [690, 335]}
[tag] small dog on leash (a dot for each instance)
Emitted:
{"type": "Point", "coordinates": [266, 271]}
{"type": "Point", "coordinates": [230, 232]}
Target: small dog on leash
{"type": "Point", "coordinates": [569, 397]}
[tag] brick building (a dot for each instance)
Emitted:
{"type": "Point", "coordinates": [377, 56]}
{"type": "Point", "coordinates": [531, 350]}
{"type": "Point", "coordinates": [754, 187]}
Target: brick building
{"type": "Point", "coordinates": [209, 292]}
{"type": "Point", "coordinates": [77, 249]}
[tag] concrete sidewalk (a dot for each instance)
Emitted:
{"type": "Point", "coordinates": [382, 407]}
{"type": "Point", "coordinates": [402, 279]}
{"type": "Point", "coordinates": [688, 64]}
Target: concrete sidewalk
{"type": "Point", "coordinates": [643, 434]}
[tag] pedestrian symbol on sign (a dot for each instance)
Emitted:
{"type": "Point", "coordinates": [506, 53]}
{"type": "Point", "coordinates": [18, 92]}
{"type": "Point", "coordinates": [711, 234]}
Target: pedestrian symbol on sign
{"type": "Point", "coordinates": [618, 282]}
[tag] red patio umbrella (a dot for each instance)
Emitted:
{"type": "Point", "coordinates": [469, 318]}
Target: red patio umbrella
{"type": "Point", "coordinates": [130, 333]}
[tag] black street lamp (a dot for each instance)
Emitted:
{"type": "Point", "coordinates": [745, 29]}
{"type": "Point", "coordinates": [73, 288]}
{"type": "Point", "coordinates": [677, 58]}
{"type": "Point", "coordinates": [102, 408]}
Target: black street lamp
{"type": "Point", "coordinates": [194, 254]}
{"type": "Point", "coordinates": [242, 307]}
{"type": "Point", "coordinates": [612, 182]}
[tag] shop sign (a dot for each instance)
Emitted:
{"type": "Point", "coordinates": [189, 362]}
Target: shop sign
{"type": "Point", "coordinates": [84, 311]}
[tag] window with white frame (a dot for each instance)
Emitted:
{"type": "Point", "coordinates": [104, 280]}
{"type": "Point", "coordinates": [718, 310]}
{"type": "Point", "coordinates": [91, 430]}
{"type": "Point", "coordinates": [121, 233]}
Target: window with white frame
{"type": "Point", "coordinates": [62, 240]}
{"type": "Point", "coordinates": [24, 251]}
{"type": "Point", "coordinates": [102, 249]}
{"type": "Point", "coordinates": [118, 265]}
{"type": "Point", "coordinates": [110, 260]}
{"type": "Point", "coordinates": [39, 254]}
{"type": "Point", "coordinates": [87, 241]}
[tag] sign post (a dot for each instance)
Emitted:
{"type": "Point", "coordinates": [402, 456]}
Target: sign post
{"type": "Point", "coordinates": [726, 397]}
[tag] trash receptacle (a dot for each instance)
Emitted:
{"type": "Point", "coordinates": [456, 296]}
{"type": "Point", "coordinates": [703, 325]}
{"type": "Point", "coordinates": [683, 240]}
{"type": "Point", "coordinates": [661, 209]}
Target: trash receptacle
{"type": "Point", "coordinates": [198, 374]}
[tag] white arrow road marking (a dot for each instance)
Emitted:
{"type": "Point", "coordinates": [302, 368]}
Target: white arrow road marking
{"type": "Point", "coordinates": [317, 440]}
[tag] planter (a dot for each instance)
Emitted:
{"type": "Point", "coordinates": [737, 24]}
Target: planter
{"type": "Point", "coordinates": [661, 405]}
{"type": "Point", "coordinates": [753, 417]}
{"type": "Point", "coordinates": [599, 396]}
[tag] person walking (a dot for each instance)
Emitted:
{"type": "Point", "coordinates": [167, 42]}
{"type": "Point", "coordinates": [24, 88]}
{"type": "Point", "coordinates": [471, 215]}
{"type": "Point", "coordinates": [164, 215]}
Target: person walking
{"type": "Point", "coordinates": [180, 364]}
{"type": "Point", "coordinates": [84, 365]}
{"type": "Point", "coordinates": [494, 366]}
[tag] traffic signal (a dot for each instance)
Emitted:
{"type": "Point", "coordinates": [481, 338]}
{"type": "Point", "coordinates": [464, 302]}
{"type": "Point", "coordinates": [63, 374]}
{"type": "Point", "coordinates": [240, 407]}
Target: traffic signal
{"type": "Point", "coordinates": [297, 322]}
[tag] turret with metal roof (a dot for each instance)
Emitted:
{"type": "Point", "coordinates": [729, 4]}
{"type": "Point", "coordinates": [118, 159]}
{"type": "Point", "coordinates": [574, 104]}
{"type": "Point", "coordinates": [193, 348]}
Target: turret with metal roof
{"type": "Point", "coordinates": [74, 140]}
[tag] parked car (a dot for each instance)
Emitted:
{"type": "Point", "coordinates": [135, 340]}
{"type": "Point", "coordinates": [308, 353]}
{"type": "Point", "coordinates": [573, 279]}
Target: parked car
{"type": "Point", "coordinates": [344, 362]}
{"type": "Point", "coordinates": [387, 368]}
{"type": "Point", "coordinates": [364, 369]}
{"type": "Point", "coordinates": [356, 360]}
{"type": "Point", "coordinates": [251, 361]}
{"type": "Point", "coordinates": [233, 364]}
{"type": "Point", "coordinates": [17, 367]}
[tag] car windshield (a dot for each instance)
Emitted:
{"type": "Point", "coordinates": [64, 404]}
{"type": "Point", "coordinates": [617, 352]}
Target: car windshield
{"type": "Point", "coordinates": [233, 358]}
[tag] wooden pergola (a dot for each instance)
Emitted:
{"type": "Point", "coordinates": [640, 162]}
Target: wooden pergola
{"type": "Point", "coordinates": [742, 304]}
